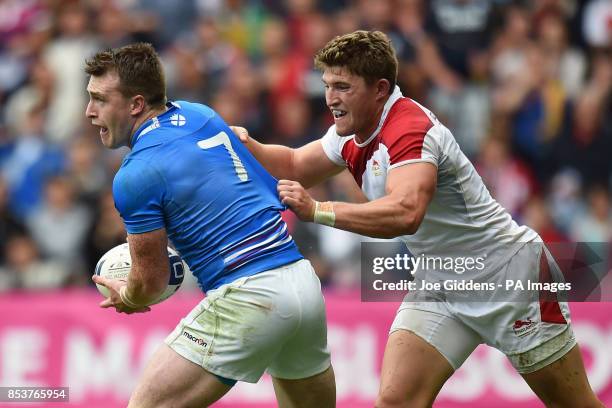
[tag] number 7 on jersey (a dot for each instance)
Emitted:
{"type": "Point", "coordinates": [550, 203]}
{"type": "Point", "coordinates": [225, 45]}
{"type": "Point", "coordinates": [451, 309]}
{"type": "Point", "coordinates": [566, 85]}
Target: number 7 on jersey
{"type": "Point", "coordinates": [223, 139]}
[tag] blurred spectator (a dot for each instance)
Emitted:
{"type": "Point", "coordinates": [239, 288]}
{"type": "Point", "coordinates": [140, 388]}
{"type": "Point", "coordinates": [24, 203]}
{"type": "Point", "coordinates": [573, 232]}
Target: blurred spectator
{"type": "Point", "coordinates": [508, 180]}
{"type": "Point", "coordinates": [346, 20]}
{"type": "Point", "coordinates": [531, 90]}
{"type": "Point", "coordinates": [64, 56]}
{"type": "Point", "coordinates": [35, 95]}
{"type": "Point", "coordinates": [229, 108]}
{"type": "Point", "coordinates": [596, 224]}
{"type": "Point", "coordinates": [240, 22]}
{"type": "Point", "coordinates": [596, 23]}
{"type": "Point", "coordinates": [185, 80]}
{"type": "Point", "coordinates": [59, 225]}
{"type": "Point", "coordinates": [244, 85]}
{"type": "Point", "coordinates": [106, 231]}
{"type": "Point", "coordinates": [22, 27]}
{"type": "Point", "coordinates": [318, 31]}
{"type": "Point", "coordinates": [293, 122]}
{"type": "Point", "coordinates": [29, 162]}
{"type": "Point", "coordinates": [112, 26]}
{"type": "Point", "coordinates": [85, 171]}
{"type": "Point", "coordinates": [409, 20]}
{"type": "Point", "coordinates": [564, 63]}
{"type": "Point", "coordinates": [161, 21]}
{"type": "Point", "coordinates": [591, 106]}
{"type": "Point", "coordinates": [591, 142]}
{"type": "Point", "coordinates": [462, 31]}
{"type": "Point", "coordinates": [565, 198]}
{"type": "Point", "coordinates": [210, 58]}
{"type": "Point", "coordinates": [517, 73]}
{"type": "Point", "coordinates": [537, 217]}
{"type": "Point", "coordinates": [283, 67]}
{"type": "Point", "coordinates": [455, 55]}
{"type": "Point", "coordinates": [297, 16]}
{"type": "Point", "coordinates": [10, 225]}
{"type": "Point", "coordinates": [25, 269]}
{"type": "Point", "coordinates": [376, 15]}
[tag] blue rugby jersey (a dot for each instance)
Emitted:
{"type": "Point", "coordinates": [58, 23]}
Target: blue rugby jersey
{"type": "Point", "coordinates": [188, 173]}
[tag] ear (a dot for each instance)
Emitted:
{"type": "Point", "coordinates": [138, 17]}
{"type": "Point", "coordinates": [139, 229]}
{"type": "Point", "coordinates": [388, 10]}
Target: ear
{"type": "Point", "coordinates": [382, 88]}
{"type": "Point", "coordinates": [137, 105]}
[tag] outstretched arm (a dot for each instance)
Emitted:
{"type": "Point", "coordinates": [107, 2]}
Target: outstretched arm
{"type": "Point", "coordinates": [409, 189]}
{"type": "Point", "coordinates": [308, 165]}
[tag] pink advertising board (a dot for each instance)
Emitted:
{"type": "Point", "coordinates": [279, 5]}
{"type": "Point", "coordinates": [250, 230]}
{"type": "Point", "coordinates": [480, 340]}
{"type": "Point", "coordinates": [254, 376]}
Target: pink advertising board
{"type": "Point", "coordinates": [64, 339]}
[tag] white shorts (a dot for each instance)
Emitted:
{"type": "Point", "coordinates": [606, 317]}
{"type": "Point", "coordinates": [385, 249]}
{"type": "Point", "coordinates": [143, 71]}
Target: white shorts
{"type": "Point", "coordinates": [531, 334]}
{"type": "Point", "coordinates": [272, 321]}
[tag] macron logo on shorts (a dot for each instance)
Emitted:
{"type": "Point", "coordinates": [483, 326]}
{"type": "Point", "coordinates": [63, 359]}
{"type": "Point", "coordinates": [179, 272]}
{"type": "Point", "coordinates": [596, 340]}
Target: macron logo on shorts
{"type": "Point", "coordinates": [199, 342]}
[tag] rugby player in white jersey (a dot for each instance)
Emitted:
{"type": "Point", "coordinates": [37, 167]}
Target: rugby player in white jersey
{"type": "Point", "coordinates": [421, 187]}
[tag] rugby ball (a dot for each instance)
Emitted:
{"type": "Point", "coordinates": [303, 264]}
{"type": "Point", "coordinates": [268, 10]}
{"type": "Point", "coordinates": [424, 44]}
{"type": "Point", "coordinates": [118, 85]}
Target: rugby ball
{"type": "Point", "coordinates": [117, 263]}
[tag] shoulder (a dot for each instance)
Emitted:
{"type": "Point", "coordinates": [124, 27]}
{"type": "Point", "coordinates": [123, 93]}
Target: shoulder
{"type": "Point", "coordinates": [408, 117]}
{"type": "Point", "coordinates": [189, 117]}
{"type": "Point", "coordinates": [138, 173]}
{"type": "Point", "coordinates": [137, 181]}
{"type": "Point", "coordinates": [183, 118]}
{"type": "Point", "coordinates": [411, 132]}
{"type": "Point", "coordinates": [193, 109]}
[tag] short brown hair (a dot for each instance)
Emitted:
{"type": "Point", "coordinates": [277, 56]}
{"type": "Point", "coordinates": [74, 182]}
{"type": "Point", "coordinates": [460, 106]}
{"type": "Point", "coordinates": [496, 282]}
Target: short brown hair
{"type": "Point", "coordinates": [368, 54]}
{"type": "Point", "coordinates": [139, 69]}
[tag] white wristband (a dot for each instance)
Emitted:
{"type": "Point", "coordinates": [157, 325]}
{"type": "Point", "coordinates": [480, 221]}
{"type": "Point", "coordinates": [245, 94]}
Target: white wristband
{"type": "Point", "coordinates": [126, 300]}
{"type": "Point", "coordinates": [324, 213]}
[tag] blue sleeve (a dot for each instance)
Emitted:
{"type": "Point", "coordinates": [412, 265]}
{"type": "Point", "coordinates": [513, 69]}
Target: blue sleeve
{"type": "Point", "coordinates": [139, 191]}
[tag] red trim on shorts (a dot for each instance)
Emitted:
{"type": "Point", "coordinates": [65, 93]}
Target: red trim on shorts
{"type": "Point", "coordinates": [550, 311]}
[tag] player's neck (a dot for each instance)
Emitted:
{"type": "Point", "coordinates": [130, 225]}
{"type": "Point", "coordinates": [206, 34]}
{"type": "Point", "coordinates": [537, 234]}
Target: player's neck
{"type": "Point", "coordinates": [363, 135]}
{"type": "Point", "coordinates": [149, 114]}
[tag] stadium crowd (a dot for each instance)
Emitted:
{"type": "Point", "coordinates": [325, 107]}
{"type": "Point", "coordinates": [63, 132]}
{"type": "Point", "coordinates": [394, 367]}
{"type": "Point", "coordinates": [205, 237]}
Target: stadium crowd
{"type": "Point", "coordinates": [525, 86]}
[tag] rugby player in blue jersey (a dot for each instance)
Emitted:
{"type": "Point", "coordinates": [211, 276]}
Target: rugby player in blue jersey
{"type": "Point", "coordinates": [189, 180]}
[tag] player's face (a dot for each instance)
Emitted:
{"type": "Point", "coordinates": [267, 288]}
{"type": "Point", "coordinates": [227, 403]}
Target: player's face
{"type": "Point", "coordinates": [109, 110]}
{"type": "Point", "coordinates": [354, 104]}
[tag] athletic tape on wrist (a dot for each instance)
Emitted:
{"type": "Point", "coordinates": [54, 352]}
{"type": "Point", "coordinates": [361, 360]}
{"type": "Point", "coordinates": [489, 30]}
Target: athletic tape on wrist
{"type": "Point", "coordinates": [126, 300]}
{"type": "Point", "coordinates": [324, 213]}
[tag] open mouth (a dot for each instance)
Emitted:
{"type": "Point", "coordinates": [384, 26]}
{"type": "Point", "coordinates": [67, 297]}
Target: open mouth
{"type": "Point", "coordinates": [338, 113]}
{"type": "Point", "coordinates": [103, 131]}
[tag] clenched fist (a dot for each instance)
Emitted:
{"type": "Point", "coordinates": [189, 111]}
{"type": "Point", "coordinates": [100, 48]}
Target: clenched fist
{"type": "Point", "coordinates": [295, 196]}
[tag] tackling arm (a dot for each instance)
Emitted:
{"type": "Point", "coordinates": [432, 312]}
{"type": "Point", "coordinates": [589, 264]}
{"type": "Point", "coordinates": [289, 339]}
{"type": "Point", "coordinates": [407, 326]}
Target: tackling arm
{"type": "Point", "coordinates": [409, 189]}
{"type": "Point", "coordinates": [400, 212]}
{"type": "Point", "coordinates": [308, 164]}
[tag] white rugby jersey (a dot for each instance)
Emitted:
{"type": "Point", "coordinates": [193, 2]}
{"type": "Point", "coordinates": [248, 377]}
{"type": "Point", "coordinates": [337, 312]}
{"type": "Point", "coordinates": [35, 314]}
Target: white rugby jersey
{"type": "Point", "coordinates": [462, 213]}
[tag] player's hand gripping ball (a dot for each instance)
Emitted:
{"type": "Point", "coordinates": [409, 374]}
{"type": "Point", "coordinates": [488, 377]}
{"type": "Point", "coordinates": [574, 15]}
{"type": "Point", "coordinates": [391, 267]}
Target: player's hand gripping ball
{"type": "Point", "coordinates": [117, 263]}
